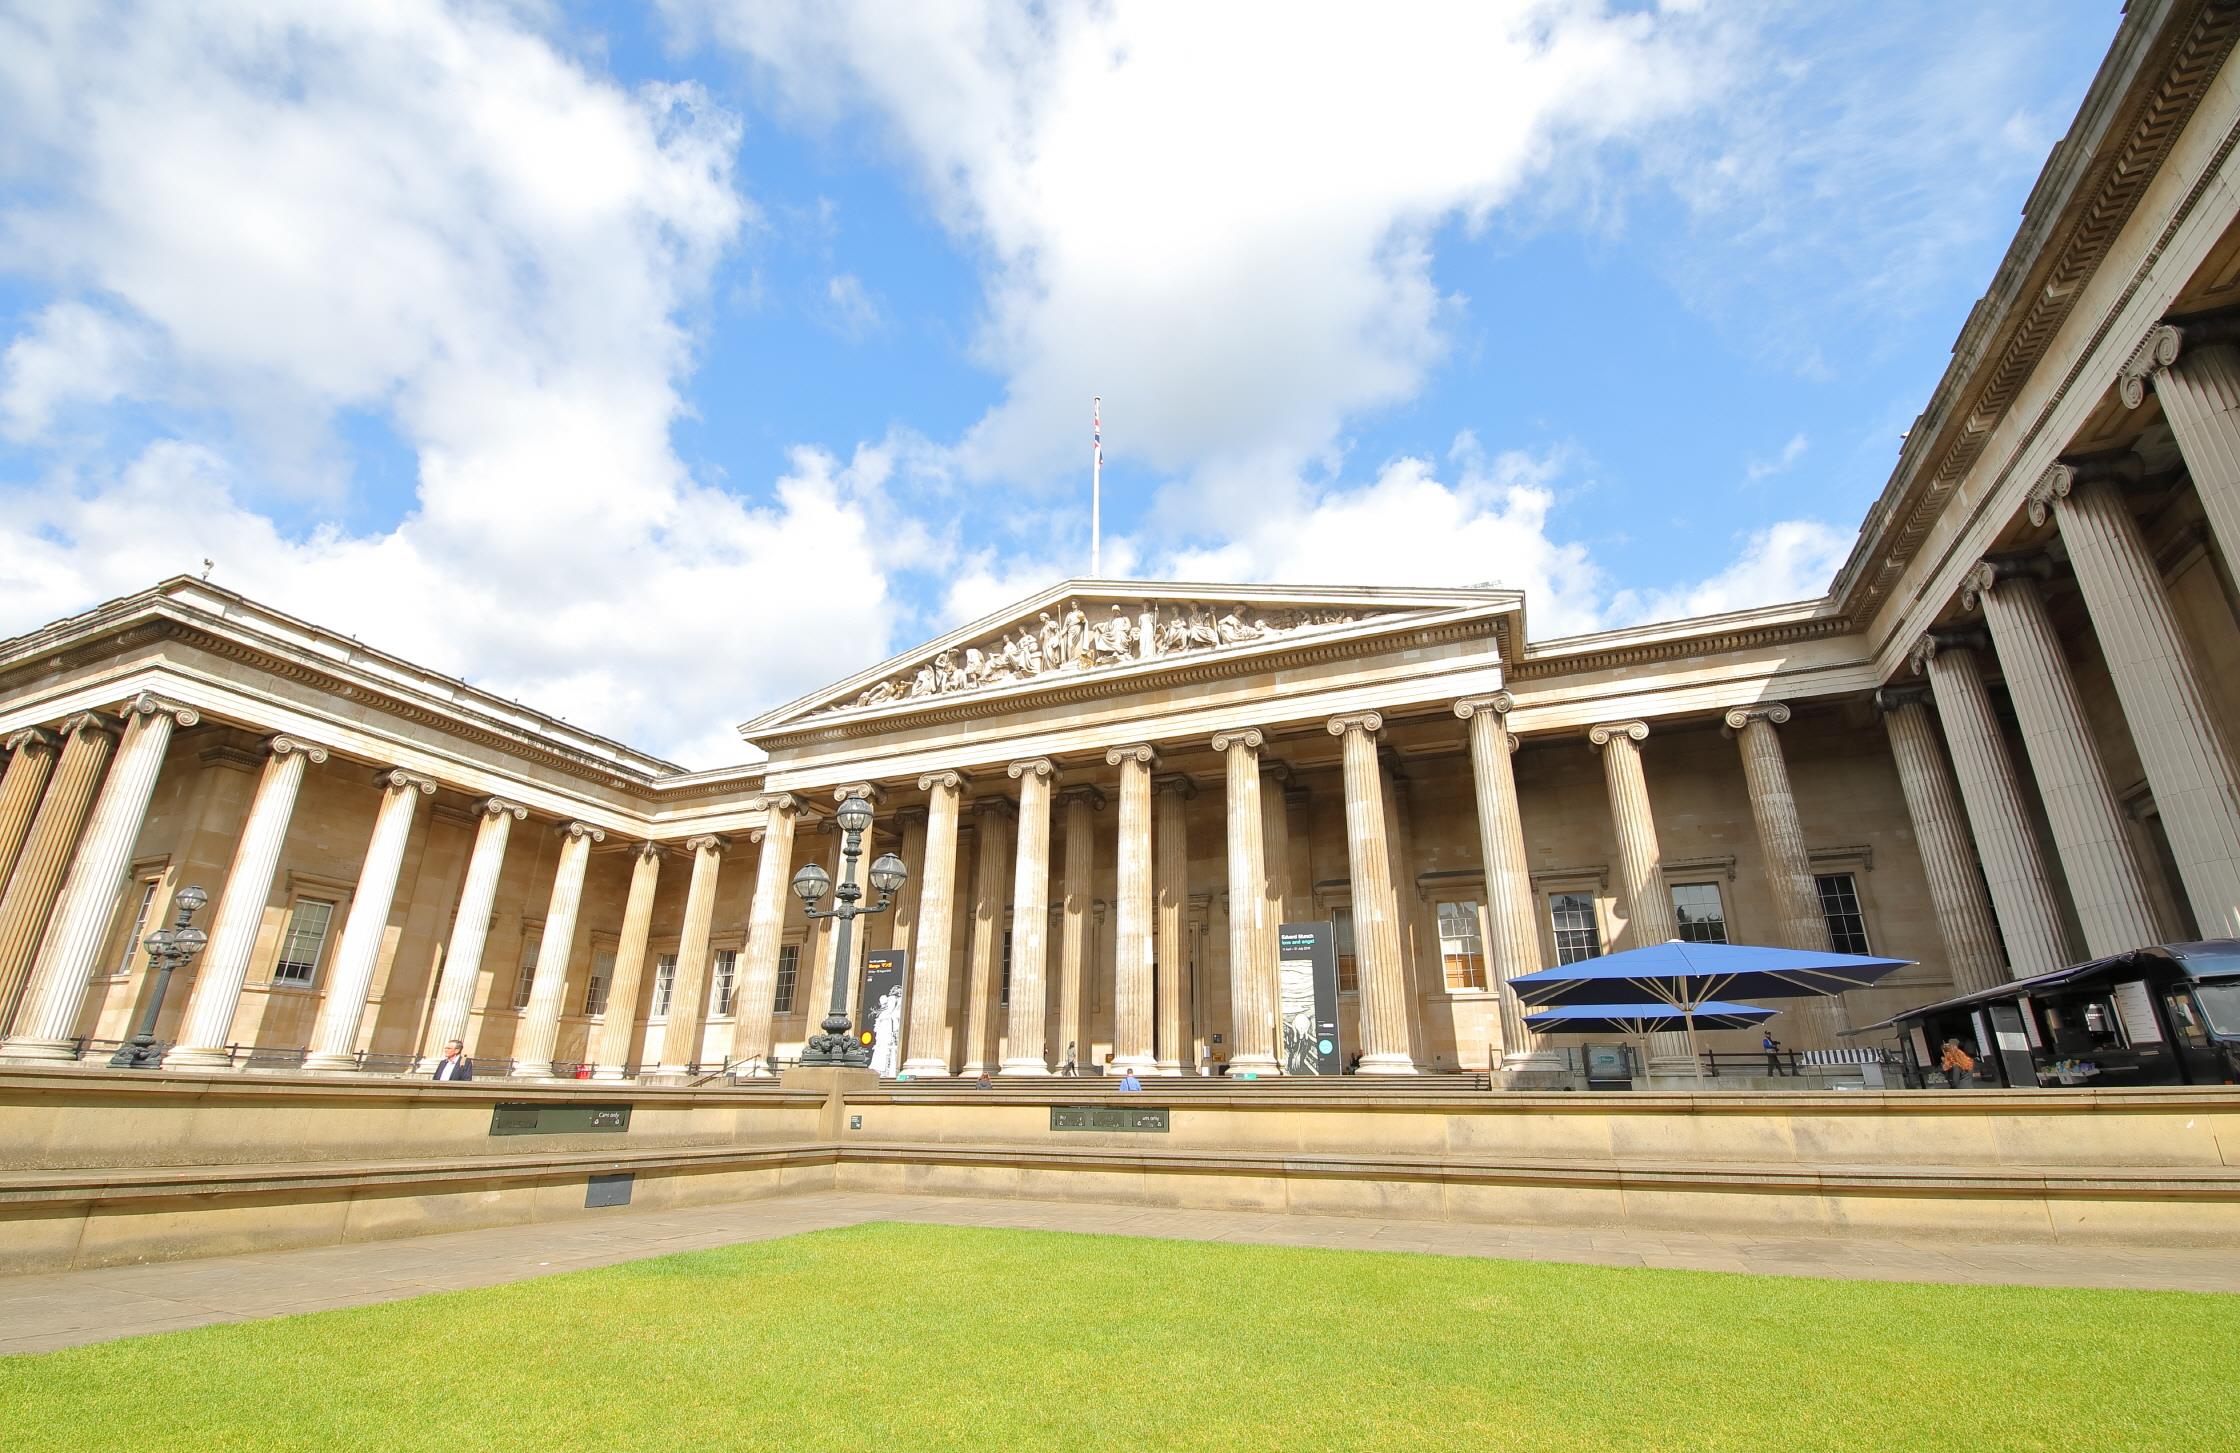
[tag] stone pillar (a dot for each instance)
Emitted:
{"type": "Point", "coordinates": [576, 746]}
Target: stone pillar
{"type": "Point", "coordinates": [902, 919]}
{"type": "Point", "coordinates": [2021, 890]}
{"type": "Point", "coordinates": [1956, 891]}
{"type": "Point", "coordinates": [1278, 905]}
{"type": "Point", "coordinates": [610, 1050]}
{"type": "Point", "coordinates": [928, 1046]}
{"type": "Point", "coordinates": [1798, 921]}
{"type": "Point", "coordinates": [207, 1026]}
{"type": "Point", "coordinates": [540, 1025]}
{"type": "Point", "coordinates": [1025, 1053]}
{"type": "Point", "coordinates": [2105, 881]}
{"type": "Point", "coordinates": [31, 754]}
{"type": "Point", "coordinates": [688, 996]}
{"type": "Point", "coordinates": [1649, 915]}
{"type": "Point", "coordinates": [2187, 757]}
{"type": "Point", "coordinates": [2193, 366]}
{"type": "Point", "coordinates": [1132, 918]}
{"type": "Point", "coordinates": [1419, 938]}
{"type": "Point", "coordinates": [991, 874]}
{"type": "Point", "coordinates": [1512, 918]}
{"type": "Point", "coordinates": [470, 930]}
{"type": "Point", "coordinates": [766, 931]}
{"type": "Point", "coordinates": [1074, 939]}
{"type": "Point", "coordinates": [1170, 870]}
{"type": "Point", "coordinates": [1256, 1044]}
{"type": "Point", "coordinates": [334, 1037]}
{"type": "Point", "coordinates": [87, 905]}
{"type": "Point", "coordinates": [1382, 975]}
{"type": "Point", "coordinates": [87, 739]}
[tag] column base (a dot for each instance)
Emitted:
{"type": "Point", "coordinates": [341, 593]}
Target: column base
{"type": "Point", "coordinates": [1141, 1064]}
{"type": "Point", "coordinates": [328, 1063]}
{"type": "Point", "coordinates": [1024, 1067]}
{"type": "Point", "coordinates": [532, 1070]}
{"type": "Point", "coordinates": [1265, 1066]}
{"type": "Point", "coordinates": [1386, 1064]}
{"type": "Point", "coordinates": [37, 1051]}
{"type": "Point", "coordinates": [197, 1059]}
{"type": "Point", "coordinates": [926, 1069]}
{"type": "Point", "coordinates": [608, 1074]}
{"type": "Point", "coordinates": [971, 1071]}
{"type": "Point", "coordinates": [1544, 1060]}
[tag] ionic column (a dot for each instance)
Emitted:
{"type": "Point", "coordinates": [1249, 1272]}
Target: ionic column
{"type": "Point", "coordinates": [1798, 921]}
{"type": "Point", "coordinates": [1132, 918]}
{"type": "Point", "coordinates": [1511, 917]}
{"type": "Point", "coordinates": [1025, 1053]}
{"type": "Point", "coordinates": [1382, 974]}
{"type": "Point", "coordinates": [2021, 890]}
{"type": "Point", "coordinates": [1948, 858]}
{"type": "Point", "coordinates": [1170, 868]}
{"type": "Point", "coordinates": [2097, 858]}
{"type": "Point", "coordinates": [2188, 759]}
{"type": "Point", "coordinates": [991, 880]}
{"type": "Point", "coordinates": [334, 1037]}
{"type": "Point", "coordinates": [2193, 365]}
{"type": "Point", "coordinates": [902, 919]}
{"type": "Point", "coordinates": [31, 754]}
{"type": "Point", "coordinates": [610, 1052]}
{"type": "Point", "coordinates": [88, 902]}
{"type": "Point", "coordinates": [1255, 1044]}
{"type": "Point", "coordinates": [1081, 805]}
{"type": "Point", "coordinates": [766, 931]}
{"type": "Point", "coordinates": [1277, 905]}
{"type": "Point", "coordinates": [87, 740]}
{"type": "Point", "coordinates": [207, 1025]}
{"type": "Point", "coordinates": [688, 996]}
{"type": "Point", "coordinates": [1649, 916]}
{"type": "Point", "coordinates": [470, 930]}
{"type": "Point", "coordinates": [928, 1046]}
{"type": "Point", "coordinates": [540, 1026]}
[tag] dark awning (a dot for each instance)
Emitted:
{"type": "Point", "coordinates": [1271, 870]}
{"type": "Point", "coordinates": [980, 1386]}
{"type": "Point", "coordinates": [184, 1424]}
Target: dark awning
{"type": "Point", "coordinates": [2217, 958]}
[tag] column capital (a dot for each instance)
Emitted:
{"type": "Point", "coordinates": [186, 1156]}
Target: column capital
{"type": "Point", "coordinates": [1925, 650]}
{"type": "Point", "coordinates": [1176, 782]}
{"type": "Point", "coordinates": [1500, 703]}
{"type": "Point", "coordinates": [950, 778]}
{"type": "Point", "coordinates": [649, 849]}
{"type": "Point", "coordinates": [2120, 467]}
{"type": "Point", "coordinates": [1889, 698]}
{"type": "Point", "coordinates": [576, 830]}
{"type": "Point", "coordinates": [1135, 752]}
{"type": "Point", "coordinates": [88, 721]}
{"type": "Point", "coordinates": [147, 703]}
{"type": "Point", "coordinates": [499, 807]}
{"type": "Point", "coordinates": [904, 816]}
{"type": "Point", "coordinates": [1277, 769]}
{"type": "Point", "coordinates": [707, 843]}
{"type": "Point", "coordinates": [870, 792]}
{"type": "Point", "coordinates": [1250, 736]}
{"type": "Point", "coordinates": [1984, 576]}
{"type": "Point", "coordinates": [994, 807]}
{"type": "Point", "coordinates": [397, 779]}
{"type": "Point", "coordinates": [1601, 734]}
{"type": "Point", "coordinates": [2164, 343]}
{"type": "Point", "coordinates": [34, 739]}
{"type": "Point", "coordinates": [1773, 713]}
{"type": "Point", "coordinates": [1041, 767]}
{"type": "Point", "coordinates": [1083, 793]}
{"type": "Point", "coordinates": [284, 746]}
{"type": "Point", "coordinates": [785, 804]}
{"type": "Point", "coordinates": [1367, 722]}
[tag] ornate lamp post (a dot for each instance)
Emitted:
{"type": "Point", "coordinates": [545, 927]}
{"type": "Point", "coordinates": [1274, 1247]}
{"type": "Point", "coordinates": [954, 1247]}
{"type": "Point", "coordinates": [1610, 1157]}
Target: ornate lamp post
{"type": "Point", "coordinates": [168, 950]}
{"type": "Point", "coordinates": [836, 1046]}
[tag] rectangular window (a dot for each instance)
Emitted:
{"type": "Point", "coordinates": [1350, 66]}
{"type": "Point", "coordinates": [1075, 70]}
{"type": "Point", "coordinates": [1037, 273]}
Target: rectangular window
{"type": "Point", "coordinates": [1003, 994]}
{"type": "Point", "coordinates": [1577, 935]}
{"type": "Point", "coordinates": [595, 989]}
{"type": "Point", "coordinates": [727, 977]}
{"type": "Point", "coordinates": [1839, 904]}
{"type": "Point", "coordinates": [1461, 947]}
{"type": "Point", "coordinates": [304, 942]}
{"type": "Point", "coordinates": [142, 895]}
{"type": "Point", "coordinates": [1702, 917]}
{"type": "Point", "coordinates": [789, 963]}
{"type": "Point", "coordinates": [526, 981]}
{"type": "Point", "coordinates": [1341, 934]}
{"type": "Point", "coordinates": [664, 984]}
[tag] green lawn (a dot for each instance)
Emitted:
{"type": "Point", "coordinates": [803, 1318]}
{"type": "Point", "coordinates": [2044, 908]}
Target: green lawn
{"type": "Point", "coordinates": [893, 1337]}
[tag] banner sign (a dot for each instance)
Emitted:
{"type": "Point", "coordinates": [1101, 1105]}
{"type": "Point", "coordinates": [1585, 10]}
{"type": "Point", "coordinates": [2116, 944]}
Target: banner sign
{"type": "Point", "coordinates": [514, 1118]}
{"type": "Point", "coordinates": [879, 1009]}
{"type": "Point", "coordinates": [1307, 978]}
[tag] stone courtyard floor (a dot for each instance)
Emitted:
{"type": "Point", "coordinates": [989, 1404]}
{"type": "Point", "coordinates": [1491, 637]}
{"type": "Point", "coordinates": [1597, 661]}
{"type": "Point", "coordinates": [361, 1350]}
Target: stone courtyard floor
{"type": "Point", "coordinates": [65, 1309]}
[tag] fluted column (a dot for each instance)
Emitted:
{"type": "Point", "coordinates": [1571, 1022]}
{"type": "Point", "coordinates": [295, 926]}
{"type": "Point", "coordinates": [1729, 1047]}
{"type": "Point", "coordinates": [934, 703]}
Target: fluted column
{"type": "Point", "coordinates": [87, 904]}
{"type": "Point", "coordinates": [2187, 756]}
{"type": "Point", "coordinates": [610, 1050]}
{"type": "Point", "coordinates": [1074, 941]}
{"type": "Point", "coordinates": [2193, 365]}
{"type": "Point", "coordinates": [2097, 858]}
{"type": "Point", "coordinates": [334, 1037]}
{"type": "Point", "coordinates": [766, 930]}
{"type": "Point", "coordinates": [207, 1026]}
{"type": "Point", "coordinates": [540, 1025]}
{"type": "Point", "coordinates": [902, 919]}
{"type": "Point", "coordinates": [1649, 916]}
{"type": "Point", "coordinates": [1382, 975]}
{"type": "Point", "coordinates": [1948, 858]}
{"type": "Point", "coordinates": [1798, 921]}
{"type": "Point", "coordinates": [1511, 917]}
{"type": "Point", "coordinates": [1024, 1053]}
{"type": "Point", "coordinates": [88, 740]}
{"type": "Point", "coordinates": [991, 882]}
{"type": "Point", "coordinates": [1277, 905]}
{"type": "Point", "coordinates": [928, 1046]}
{"type": "Point", "coordinates": [1252, 936]}
{"type": "Point", "coordinates": [2021, 889]}
{"type": "Point", "coordinates": [31, 754]}
{"type": "Point", "coordinates": [1170, 870]}
{"type": "Point", "coordinates": [1132, 913]}
{"type": "Point", "coordinates": [688, 995]}
{"type": "Point", "coordinates": [470, 930]}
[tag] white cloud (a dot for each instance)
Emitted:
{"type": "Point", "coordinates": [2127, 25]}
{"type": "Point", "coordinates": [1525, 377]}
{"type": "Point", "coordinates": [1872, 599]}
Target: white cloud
{"type": "Point", "coordinates": [1788, 561]}
{"type": "Point", "coordinates": [1756, 468]}
{"type": "Point", "coordinates": [71, 354]}
{"type": "Point", "coordinates": [852, 312]}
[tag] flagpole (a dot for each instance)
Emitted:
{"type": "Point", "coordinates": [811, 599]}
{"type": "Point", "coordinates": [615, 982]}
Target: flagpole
{"type": "Point", "coordinates": [1096, 488]}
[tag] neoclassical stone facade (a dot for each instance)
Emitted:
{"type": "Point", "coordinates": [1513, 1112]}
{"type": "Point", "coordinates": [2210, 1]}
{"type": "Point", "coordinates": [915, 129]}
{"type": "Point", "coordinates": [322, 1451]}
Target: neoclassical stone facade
{"type": "Point", "coordinates": [1998, 743]}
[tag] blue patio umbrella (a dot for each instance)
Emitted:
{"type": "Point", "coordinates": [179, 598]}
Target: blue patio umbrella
{"type": "Point", "coordinates": [1640, 1019]}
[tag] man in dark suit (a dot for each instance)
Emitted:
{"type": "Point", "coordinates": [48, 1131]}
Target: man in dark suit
{"type": "Point", "coordinates": [454, 1065]}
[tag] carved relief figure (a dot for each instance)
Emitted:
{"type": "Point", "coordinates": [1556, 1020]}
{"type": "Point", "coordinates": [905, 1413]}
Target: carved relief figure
{"type": "Point", "coordinates": [1077, 635]}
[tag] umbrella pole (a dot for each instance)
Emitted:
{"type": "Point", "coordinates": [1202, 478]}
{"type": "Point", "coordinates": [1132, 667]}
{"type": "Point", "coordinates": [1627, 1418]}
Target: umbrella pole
{"type": "Point", "coordinates": [1694, 1053]}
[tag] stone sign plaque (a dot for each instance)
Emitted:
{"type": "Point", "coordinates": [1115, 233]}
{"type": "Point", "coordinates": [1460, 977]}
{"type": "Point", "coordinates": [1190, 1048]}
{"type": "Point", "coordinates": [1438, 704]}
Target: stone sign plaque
{"type": "Point", "coordinates": [1107, 1117]}
{"type": "Point", "coordinates": [520, 1118]}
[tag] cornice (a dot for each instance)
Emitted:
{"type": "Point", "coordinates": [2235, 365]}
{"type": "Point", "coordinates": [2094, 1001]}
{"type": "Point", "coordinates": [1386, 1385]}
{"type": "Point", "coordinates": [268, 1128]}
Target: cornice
{"type": "Point", "coordinates": [1580, 653]}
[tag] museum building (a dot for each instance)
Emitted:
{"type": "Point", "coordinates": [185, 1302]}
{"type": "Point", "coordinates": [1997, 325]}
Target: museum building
{"type": "Point", "coordinates": [1999, 743]}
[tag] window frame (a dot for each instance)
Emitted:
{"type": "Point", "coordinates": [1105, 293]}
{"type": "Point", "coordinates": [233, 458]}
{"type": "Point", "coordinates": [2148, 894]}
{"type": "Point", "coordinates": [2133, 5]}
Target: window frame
{"type": "Point", "coordinates": [598, 982]}
{"type": "Point", "coordinates": [664, 993]}
{"type": "Point", "coordinates": [150, 876]}
{"type": "Point", "coordinates": [300, 886]}
{"type": "Point", "coordinates": [785, 980]}
{"type": "Point", "coordinates": [1858, 908]}
{"type": "Point", "coordinates": [723, 983]}
{"type": "Point", "coordinates": [1673, 890]}
{"type": "Point", "coordinates": [1476, 918]}
{"type": "Point", "coordinates": [525, 971]}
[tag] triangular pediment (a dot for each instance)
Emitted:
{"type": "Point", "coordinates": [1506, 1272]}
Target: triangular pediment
{"type": "Point", "coordinates": [1093, 630]}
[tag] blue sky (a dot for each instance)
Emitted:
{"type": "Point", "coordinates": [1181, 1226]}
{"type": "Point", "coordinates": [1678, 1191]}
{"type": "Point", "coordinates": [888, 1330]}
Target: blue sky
{"type": "Point", "coordinates": [653, 366]}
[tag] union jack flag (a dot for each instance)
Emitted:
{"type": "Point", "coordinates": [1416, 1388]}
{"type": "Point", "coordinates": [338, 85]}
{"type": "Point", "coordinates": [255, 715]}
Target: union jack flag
{"type": "Point", "coordinates": [1096, 428]}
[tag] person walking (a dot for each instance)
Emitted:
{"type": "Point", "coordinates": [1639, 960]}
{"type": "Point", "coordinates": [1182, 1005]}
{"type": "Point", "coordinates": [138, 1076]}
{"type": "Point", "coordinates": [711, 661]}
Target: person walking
{"type": "Point", "coordinates": [1128, 1081]}
{"type": "Point", "coordinates": [1956, 1062]}
{"type": "Point", "coordinates": [454, 1065]}
{"type": "Point", "coordinates": [1772, 1048]}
